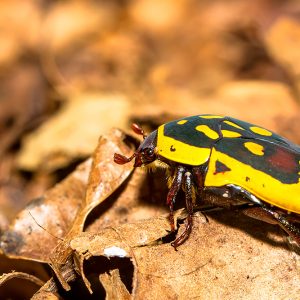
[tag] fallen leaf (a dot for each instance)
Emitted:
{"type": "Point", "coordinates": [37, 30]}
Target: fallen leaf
{"type": "Point", "coordinates": [157, 16]}
{"type": "Point", "coordinates": [8, 276]}
{"type": "Point", "coordinates": [143, 197]}
{"type": "Point", "coordinates": [67, 23]}
{"type": "Point", "coordinates": [73, 131]}
{"type": "Point", "coordinates": [114, 287]}
{"type": "Point", "coordinates": [241, 99]}
{"type": "Point", "coordinates": [14, 43]}
{"type": "Point", "coordinates": [16, 92]}
{"type": "Point", "coordinates": [227, 258]}
{"type": "Point", "coordinates": [29, 284]}
{"type": "Point", "coordinates": [45, 296]}
{"type": "Point", "coordinates": [104, 178]}
{"type": "Point", "coordinates": [283, 44]}
{"type": "Point", "coordinates": [37, 230]}
{"type": "Point", "coordinates": [249, 98]}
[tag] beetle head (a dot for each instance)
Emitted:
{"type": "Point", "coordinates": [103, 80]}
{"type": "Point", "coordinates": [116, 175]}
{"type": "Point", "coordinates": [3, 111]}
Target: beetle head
{"type": "Point", "coordinates": [146, 152]}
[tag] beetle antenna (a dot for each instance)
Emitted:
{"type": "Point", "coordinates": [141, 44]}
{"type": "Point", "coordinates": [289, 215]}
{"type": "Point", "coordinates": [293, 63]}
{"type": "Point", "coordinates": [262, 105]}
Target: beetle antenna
{"type": "Point", "coordinates": [138, 130]}
{"type": "Point", "coordinates": [43, 227]}
{"type": "Point", "coordinates": [121, 159]}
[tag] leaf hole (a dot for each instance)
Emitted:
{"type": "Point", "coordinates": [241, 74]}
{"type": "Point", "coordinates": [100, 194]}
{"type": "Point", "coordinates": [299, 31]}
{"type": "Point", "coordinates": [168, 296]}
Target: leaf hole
{"type": "Point", "coordinates": [99, 265]}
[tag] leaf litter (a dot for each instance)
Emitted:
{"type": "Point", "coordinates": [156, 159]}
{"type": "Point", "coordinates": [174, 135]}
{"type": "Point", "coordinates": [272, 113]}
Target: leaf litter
{"type": "Point", "coordinates": [78, 69]}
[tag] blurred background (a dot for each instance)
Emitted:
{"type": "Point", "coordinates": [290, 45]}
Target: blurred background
{"type": "Point", "coordinates": [71, 70]}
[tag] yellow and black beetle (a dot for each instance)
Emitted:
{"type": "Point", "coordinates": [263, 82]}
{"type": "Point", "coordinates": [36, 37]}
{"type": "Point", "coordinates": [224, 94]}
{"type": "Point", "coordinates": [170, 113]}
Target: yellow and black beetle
{"type": "Point", "coordinates": [218, 157]}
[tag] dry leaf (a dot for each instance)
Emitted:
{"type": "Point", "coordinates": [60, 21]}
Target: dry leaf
{"type": "Point", "coordinates": [5, 277]}
{"type": "Point", "coordinates": [283, 44]}
{"type": "Point", "coordinates": [143, 197]}
{"type": "Point", "coordinates": [68, 23]}
{"type": "Point", "coordinates": [256, 101]}
{"type": "Point", "coordinates": [104, 178]}
{"type": "Point", "coordinates": [9, 281]}
{"type": "Point", "coordinates": [37, 229]}
{"type": "Point", "coordinates": [242, 99]}
{"type": "Point", "coordinates": [73, 132]}
{"type": "Point", "coordinates": [170, 59]}
{"type": "Point", "coordinates": [19, 84]}
{"type": "Point", "coordinates": [157, 16]}
{"type": "Point", "coordinates": [220, 260]}
{"type": "Point", "coordinates": [45, 296]}
{"type": "Point", "coordinates": [14, 42]}
{"type": "Point", "coordinates": [114, 287]}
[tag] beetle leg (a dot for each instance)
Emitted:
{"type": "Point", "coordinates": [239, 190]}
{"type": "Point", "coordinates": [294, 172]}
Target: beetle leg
{"type": "Point", "coordinates": [260, 214]}
{"type": "Point", "coordinates": [175, 187]}
{"type": "Point", "coordinates": [272, 217]}
{"type": "Point", "coordinates": [287, 226]}
{"type": "Point", "coordinates": [189, 199]}
{"type": "Point", "coordinates": [198, 174]}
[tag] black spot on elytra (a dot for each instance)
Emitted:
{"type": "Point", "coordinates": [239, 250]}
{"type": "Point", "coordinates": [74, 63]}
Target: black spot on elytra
{"type": "Point", "coordinates": [172, 149]}
{"type": "Point", "coordinates": [247, 178]}
{"type": "Point", "coordinates": [221, 168]}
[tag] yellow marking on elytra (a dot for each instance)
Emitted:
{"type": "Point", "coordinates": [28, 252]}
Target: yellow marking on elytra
{"type": "Point", "coordinates": [207, 131]}
{"type": "Point", "coordinates": [180, 152]}
{"type": "Point", "coordinates": [261, 185]}
{"type": "Point", "coordinates": [181, 122]}
{"type": "Point", "coordinates": [233, 124]}
{"type": "Point", "coordinates": [212, 117]}
{"type": "Point", "coordinates": [254, 148]}
{"type": "Point", "coordinates": [230, 134]}
{"type": "Point", "coordinates": [261, 131]}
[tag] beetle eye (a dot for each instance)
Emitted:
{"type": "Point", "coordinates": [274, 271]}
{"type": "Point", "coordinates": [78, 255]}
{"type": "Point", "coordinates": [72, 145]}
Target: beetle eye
{"type": "Point", "coordinates": [149, 152]}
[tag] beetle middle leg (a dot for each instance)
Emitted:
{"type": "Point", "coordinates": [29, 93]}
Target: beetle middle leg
{"type": "Point", "coordinates": [189, 199]}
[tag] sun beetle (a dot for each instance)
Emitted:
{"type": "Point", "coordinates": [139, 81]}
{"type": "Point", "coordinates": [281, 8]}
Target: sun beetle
{"type": "Point", "coordinates": [225, 160]}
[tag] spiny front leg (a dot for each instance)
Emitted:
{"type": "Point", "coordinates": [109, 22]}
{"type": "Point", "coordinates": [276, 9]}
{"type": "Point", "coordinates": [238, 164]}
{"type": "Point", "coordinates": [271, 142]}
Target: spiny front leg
{"type": "Point", "coordinates": [189, 200]}
{"type": "Point", "coordinates": [175, 187]}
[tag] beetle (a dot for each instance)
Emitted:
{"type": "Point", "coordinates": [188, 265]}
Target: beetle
{"type": "Point", "coordinates": [225, 160]}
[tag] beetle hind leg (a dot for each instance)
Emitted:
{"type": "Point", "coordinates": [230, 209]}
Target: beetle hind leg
{"type": "Point", "coordinates": [292, 230]}
{"type": "Point", "coordinates": [273, 217]}
{"type": "Point", "coordinates": [268, 214]}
